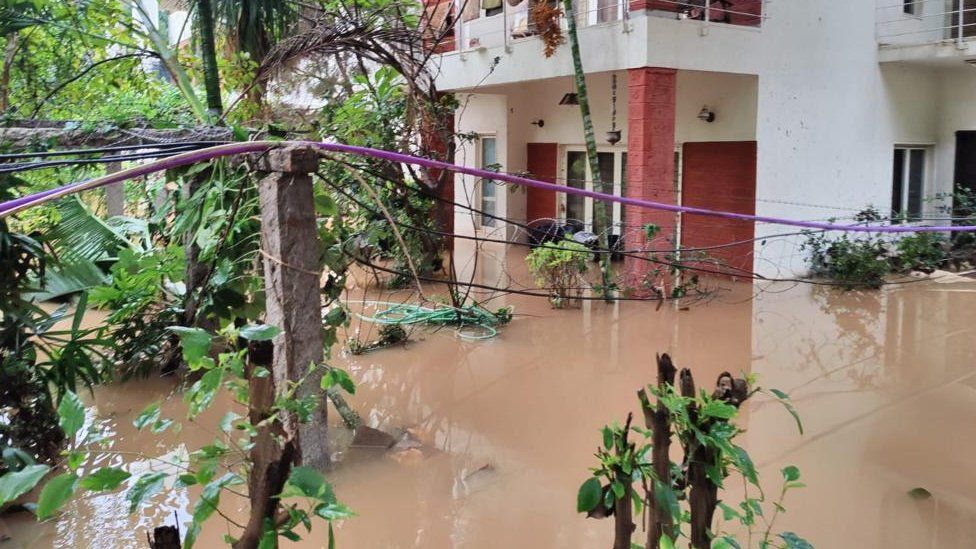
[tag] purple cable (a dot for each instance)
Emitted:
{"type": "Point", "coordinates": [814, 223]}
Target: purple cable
{"type": "Point", "coordinates": [11, 206]}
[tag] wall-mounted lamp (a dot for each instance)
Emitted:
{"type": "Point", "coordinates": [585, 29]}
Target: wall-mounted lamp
{"type": "Point", "coordinates": [706, 114]}
{"type": "Point", "coordinates": [569, 99]}
{"type": "Point", "coordinates": [540, 122]}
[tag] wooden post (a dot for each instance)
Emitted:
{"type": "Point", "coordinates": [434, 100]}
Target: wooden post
{"type": "Point", "coordinates": [291, 251]}
{"type": "Point", "coordinates": [114, 193]}
{"type": "Point", "coordinates": [657, 419]}
{"type": "Point", "coordinates": [272, 453]}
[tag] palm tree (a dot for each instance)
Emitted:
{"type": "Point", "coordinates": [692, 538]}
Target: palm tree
{"type": "Point", "coordinates": [208, 53]}
{"type": "Point", "coordinates": [601, 216]}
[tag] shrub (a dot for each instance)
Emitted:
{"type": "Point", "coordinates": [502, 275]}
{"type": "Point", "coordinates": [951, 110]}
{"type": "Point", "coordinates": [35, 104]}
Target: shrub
{"type": "Point", "coordinates": [853, 262]}
{"type": "Point", "coordinates": [559, 268]}
{"type": "Point", "coordinates": [920, 252]}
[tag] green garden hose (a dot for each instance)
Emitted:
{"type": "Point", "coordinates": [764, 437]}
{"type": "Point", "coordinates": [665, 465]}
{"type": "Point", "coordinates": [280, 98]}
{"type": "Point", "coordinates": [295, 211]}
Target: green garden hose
{"type": "Point", "coordinates": [468, 318]}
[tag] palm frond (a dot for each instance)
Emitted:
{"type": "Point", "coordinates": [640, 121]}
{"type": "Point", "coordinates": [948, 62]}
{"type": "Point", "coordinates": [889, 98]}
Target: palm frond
{"type": "Point", "coordinates": [82, 235]}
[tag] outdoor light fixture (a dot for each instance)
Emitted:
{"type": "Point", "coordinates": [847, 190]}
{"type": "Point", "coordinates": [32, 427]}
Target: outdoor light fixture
{"type": "Point", "coordinates": [706, 114]}
{"type": "Point", "coordinates": [569, 99]}
{"type": "Point", "coordinates": [540, 122]}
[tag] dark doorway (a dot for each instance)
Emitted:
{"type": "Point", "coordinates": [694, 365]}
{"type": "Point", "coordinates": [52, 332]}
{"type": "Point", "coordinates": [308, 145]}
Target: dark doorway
{"type": "Point", "coordinates": [966, 159]}
{"type": "Point", "coordinates": [965, 175]}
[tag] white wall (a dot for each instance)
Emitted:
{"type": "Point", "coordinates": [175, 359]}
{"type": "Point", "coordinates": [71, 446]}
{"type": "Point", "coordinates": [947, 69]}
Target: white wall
{"type": "Point", "coordinates": [483, 114]}
{"type": "Point", "coordinates": [829, 116]}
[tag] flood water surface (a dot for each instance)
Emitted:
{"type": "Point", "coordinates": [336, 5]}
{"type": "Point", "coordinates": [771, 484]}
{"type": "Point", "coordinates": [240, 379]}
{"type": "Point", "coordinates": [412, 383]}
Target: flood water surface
{"type": "Point", "coordinates": [505, 429]}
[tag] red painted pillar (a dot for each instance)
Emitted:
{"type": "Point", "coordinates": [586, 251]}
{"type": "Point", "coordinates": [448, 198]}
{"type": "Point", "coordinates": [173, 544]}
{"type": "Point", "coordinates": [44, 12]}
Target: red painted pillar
{"type": "Point", "coordinates": [650, 169]}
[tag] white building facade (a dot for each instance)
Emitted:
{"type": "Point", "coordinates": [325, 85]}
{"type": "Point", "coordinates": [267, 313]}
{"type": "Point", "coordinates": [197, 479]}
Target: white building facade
{"type": "Point", "coordinates": [785, 108]}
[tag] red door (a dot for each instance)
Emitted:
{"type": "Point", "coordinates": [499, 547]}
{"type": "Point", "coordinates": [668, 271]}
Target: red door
{"type": "Point", "coordinates": [719, 176]}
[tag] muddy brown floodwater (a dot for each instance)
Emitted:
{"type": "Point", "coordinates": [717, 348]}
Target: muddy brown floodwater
{"type": "Point", "coordinates": [885, 383]}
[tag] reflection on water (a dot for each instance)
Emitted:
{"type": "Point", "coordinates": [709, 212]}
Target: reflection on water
{"type": "Point", "coordinates": [885, 383]}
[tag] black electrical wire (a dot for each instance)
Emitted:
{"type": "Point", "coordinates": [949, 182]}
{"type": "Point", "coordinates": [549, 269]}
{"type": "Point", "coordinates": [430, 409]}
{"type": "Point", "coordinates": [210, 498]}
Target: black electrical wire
{"type": "Point", "coordinates": [102, 150]}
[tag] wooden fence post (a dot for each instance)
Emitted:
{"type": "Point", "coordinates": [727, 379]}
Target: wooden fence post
{"type": "Point", "coordinates": [290, 248]}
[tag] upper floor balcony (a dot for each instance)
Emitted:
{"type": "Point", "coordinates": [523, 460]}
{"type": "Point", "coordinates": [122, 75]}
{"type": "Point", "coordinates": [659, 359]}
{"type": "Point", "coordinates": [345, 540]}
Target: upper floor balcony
{"type": "Point", "coordinates": [926, 31]}
{"type": "Point", "coordinates": [502, 41]}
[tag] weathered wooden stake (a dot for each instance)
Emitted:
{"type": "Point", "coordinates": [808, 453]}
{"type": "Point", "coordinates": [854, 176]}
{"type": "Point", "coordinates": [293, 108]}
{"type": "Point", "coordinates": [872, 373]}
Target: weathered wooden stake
{"type": "Point", "coordinates": [657, 419]}
{"type": "Point", "coordinates": [165, 537]}
{"type": "Point", "coordinates": [272, 454]}
{"type": "Point", "coordinates": [290, 246]}
{"type": "Point", "coordinates": [114, 193]}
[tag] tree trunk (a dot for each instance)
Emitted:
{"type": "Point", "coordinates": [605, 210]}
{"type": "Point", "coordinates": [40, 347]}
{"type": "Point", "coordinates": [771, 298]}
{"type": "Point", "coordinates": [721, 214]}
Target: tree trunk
{"type": "Point", "coordinates": [623, 509]}
{"type": "Point", "coordinates": [208, 54]}
{"type": "Point", "coordinates": [601, 219]}
{"type": "Point", "coordinates": [114, 193]}
{"type": "Point", "coordinates": [657, 419]}
{"type": "Point", "coordinates": [273, 452]}
{"type": "Point", "coordinates": [13, 44]}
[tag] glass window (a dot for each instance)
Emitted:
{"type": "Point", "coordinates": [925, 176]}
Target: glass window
{"type": "Point", "coordinates": [908, 183]}
{"type": "Point", "coordinates": [489, 189]}
{"type": "Point", "coordinates": [911, 7]}
{"type": "Point", "coordinates": [576, 177]}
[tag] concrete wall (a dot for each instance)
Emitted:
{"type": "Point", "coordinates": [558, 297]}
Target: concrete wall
{"type": "Point", "coordinates": [829, 116]}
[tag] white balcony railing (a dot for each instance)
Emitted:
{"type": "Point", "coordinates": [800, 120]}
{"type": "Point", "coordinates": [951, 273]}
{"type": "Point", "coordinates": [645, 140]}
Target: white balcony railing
{"type": "Point", "coordinates": [476, 29]}
{"type": "Point", "coordinates": [916, 22]}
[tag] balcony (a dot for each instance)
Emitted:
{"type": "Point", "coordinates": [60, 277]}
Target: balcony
{"type": "Point", "coordinates": [926, 31]}
{"type": "Point", "coordinates": [513, 20]}
{"type": "Point", "coordinates": [498, 41]}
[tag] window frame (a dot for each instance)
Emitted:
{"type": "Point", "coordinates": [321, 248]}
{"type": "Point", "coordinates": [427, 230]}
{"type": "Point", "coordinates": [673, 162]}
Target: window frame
{"type": "Point", "coordinates": [484, 221]}
{"type": "Point", "coordinates": [904, 214]}
{"type": "Point", "coordinates": [620, 159]}
{"type": "Point", "coordinates": [912, 8]}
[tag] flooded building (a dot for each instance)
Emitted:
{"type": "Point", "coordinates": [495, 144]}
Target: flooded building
{"type": "Point", "coordinates": [802, 110]}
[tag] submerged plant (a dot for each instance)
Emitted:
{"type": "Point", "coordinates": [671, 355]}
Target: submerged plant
{"type": "Point", "coordinates": [559, 269]}
{"type": "Point", "coordinates": [681, 498]}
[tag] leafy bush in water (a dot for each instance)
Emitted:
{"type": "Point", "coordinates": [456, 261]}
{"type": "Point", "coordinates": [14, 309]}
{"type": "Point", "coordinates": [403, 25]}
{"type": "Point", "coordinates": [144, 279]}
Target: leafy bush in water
{"type": "Point", "coordinates": [854, 262]}
{"type": "Point", "coordinates": [864, 260]}
{"type": "Point", "coordinates": [559, 268]}
{"type": "Point", "coordinates": [921, 252]}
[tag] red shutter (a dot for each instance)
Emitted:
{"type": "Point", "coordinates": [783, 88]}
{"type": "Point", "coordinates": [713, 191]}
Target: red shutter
{"type": "Point", "coordinates": [543, 164]}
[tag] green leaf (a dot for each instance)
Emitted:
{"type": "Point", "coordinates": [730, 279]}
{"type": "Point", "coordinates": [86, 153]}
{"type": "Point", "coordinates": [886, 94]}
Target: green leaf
{"type": "Point", "coordinates": [719, 409]}
{"type": "Point", "coordinates": [333, 511]}
{"type": "Point", "coordinates": [106, 478]}
{"type": "Point", "coordinates": [13, 485]}
{"type": "Point", "coordinates": [726, 542]}
{"type": "Point", "coordinates": [919, 493]}
{"type": "Point", "coordinates": [259, 332]}
{"type": "Point", "coordinates": [784, 399]}
{"type": "Point", "coordinates": [227, 422]}
{"type": "Point", "coordinates": [210, 497]}
{"type": "Point", "coordinates": [589, 495]}
{"type": "Point", "coordinates": [57, 491]}
{"type": "Point", "coordinates": [794, 541]}
{"type": "Point", "coordinates": [666, 542]}
{"type": "Point", "coordinates": [195, 342]}
{"type": "Point", "coordinates": [307, 482]}
{"type": "Point", "coordinates": [336, 376]}
{"type": "Point", "coordinates": [144, 487]}
{"type": "Point", "coordinates": [148, 416]}
{"type": "Point", "coordinates": [607, 438]}
{"type": "Point", "coordinates": [728, 513]}
{"type": "Point", "coordinates": [71, 414]}
{"type": "Point", "coordinates": [791, 473]}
